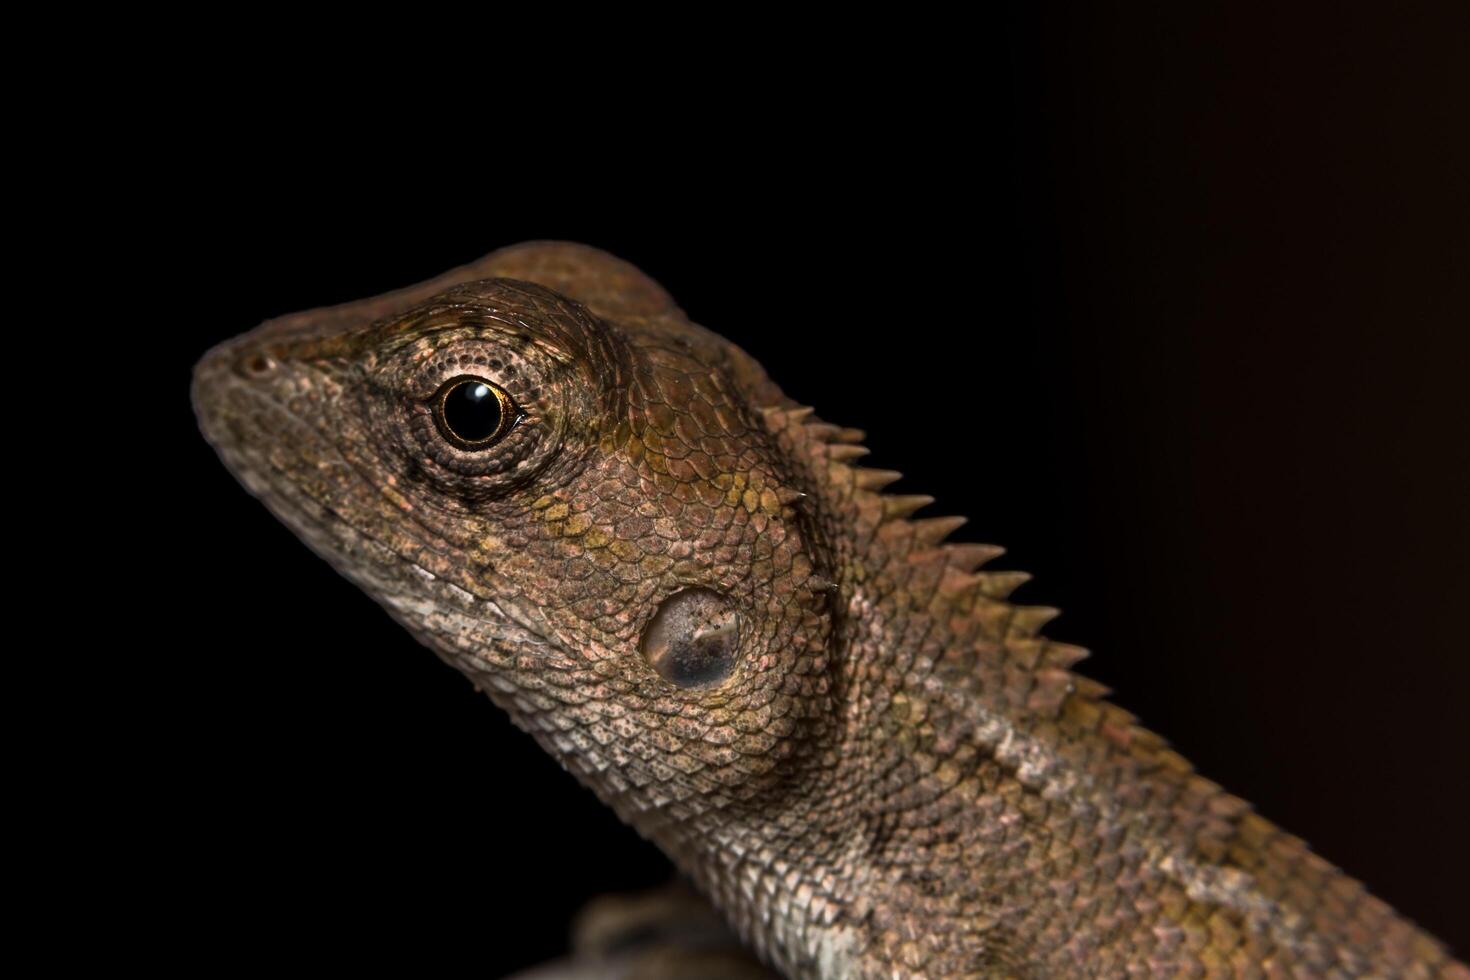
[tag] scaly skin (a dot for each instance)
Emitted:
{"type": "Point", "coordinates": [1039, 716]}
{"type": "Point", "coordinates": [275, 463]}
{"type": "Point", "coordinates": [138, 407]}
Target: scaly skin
{"type": "Point", "coordinates": [900, 777]}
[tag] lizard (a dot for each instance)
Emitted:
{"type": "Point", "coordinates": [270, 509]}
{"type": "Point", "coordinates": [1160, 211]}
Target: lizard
{"type": "Point", "coordinates": [690, 591]}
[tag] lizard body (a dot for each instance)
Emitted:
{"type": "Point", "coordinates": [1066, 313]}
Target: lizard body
{"type": "Point", "coordinates": [686, 588]}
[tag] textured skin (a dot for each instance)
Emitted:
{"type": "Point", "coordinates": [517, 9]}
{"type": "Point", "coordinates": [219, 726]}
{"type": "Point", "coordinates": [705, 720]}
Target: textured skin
{"type": "Point", "coordinates": [900, 778]}
{"type": "Point", "coordinates": [666, 934]}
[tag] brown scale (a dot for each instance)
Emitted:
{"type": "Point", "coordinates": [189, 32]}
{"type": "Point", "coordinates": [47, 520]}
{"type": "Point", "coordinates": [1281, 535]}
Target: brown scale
{"type": "Point", "coordinates": [686, 588]}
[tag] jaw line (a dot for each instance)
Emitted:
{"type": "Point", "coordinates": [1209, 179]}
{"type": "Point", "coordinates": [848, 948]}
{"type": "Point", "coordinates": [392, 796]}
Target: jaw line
{"type": "Point", "coordinates": [409, 599]}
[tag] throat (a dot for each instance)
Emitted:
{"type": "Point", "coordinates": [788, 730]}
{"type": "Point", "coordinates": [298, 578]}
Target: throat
{"type": "Point", "coordinates": [795, 895]}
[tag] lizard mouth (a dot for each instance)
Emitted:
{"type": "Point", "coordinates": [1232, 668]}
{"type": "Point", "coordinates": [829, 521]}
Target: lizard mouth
{"type": "Point", "coordinates": [295, 469]}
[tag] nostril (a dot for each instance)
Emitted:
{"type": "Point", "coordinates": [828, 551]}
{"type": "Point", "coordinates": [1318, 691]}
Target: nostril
{"type": "Point", "coordinates": [256, 365]}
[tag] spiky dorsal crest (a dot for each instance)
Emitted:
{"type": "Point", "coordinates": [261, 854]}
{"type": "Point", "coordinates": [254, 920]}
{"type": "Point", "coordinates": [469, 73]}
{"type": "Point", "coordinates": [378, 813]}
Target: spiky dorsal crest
{"type": "Point", "coordinates": [948, 575]}
{"type": "Point", "coordinates": [997, 647]}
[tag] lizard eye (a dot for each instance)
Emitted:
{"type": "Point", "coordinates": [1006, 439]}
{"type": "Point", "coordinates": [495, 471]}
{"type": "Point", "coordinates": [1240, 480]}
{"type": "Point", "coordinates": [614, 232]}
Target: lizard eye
{"type": "Point", "coordinates": [473, 413]}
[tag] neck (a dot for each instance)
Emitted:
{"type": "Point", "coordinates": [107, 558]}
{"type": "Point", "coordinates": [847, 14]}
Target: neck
{"type": "Point", "coordinates": [793, 881]}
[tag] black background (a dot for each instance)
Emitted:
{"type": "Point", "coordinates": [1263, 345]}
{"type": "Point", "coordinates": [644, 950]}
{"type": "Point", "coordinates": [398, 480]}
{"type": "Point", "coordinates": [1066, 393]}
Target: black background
{"type": "Point", "coordinates": [1175, 307]}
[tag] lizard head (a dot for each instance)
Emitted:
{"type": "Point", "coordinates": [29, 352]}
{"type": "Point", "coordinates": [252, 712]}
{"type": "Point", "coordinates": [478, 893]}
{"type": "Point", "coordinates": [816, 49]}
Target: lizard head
{"type": "Point", "coordinates": [583, 513]}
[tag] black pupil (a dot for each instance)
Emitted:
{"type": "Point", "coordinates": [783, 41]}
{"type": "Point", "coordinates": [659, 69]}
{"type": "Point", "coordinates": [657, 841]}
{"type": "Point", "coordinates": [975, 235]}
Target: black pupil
{"type": "Point", "coordinates": [472, 411]}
